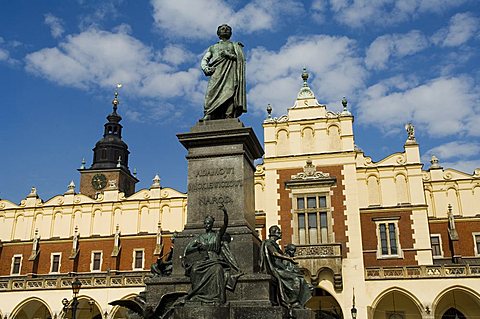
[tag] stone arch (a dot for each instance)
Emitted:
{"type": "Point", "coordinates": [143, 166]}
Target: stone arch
{"type": "Point", "coordinates": [334, 133]}
{"type": "Point", "coordinates": [41, 222]}
{"type": "Point", "coordinates": [453, 199]}
{"type": "Point", "coordinates": [101, 223]}
{"type": "Point", "coordinates": [282, 137]}
{"type": "Point", "coordinates": [466, 300]}
{"type": "Point", "coordinates": [324, 304]}
{"type": "Point", "coordinates": [118, 312]}
{"type": "Point", "coordinates": [430, 202]}
{"type": "Point", "coordinates": [147, 220]}
{"type": "Point", "coordinates": [401, 186]}
{"type": "Point", "coordinates": [398, 300]}
{"type": "Point", "coordinates": [373, 186]}
{"type": "Point", "coordinates": [31, 308]}
{"type": "Point", "coordinates": [308, 136]}
{"type": "Point", "coordinates": [20, 227]}
{"type": "Point", "coordinates": [88, 308]}
{"type": "Point", "coordinates": [60, 223]}
{"type": "Point", "coordinates": [259, 188]}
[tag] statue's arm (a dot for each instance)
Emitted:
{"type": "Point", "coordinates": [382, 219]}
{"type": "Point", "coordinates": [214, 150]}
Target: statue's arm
{"type": "Point", "coordinates": [223, 229]}
{"type": "Point", "coordinates": [283, 257]}
{"type": "Point", "coordinates": [208, 70]}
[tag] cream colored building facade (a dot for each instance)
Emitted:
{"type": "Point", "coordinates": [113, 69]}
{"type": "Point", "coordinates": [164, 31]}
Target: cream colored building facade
{"type": "Point", "coordinates": [379, 231]}
{"type": "Point", "coordinates": [404, 240]}
{"type": "Point", "coordinates": [143, 222]}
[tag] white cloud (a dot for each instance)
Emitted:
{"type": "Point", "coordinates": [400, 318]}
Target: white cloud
{"type": "Point", "coordinates": [176, 55]}
{"type": "Point", "coordinates": [204, 16]}
{"type": "Point", "coordinates": [318, 9]}
{"type": "Point", "coordinates": [454, 149]}
{"type": "Point", "coordinates": [275, 75]}
{"type": "Point", "coordinates": [100, 11]}
{"type": "Point", "coordinates": [357, 13]}
{"type": "Point", "coordinates": [55, 24]}
{"type": "Point", "coordinates": [396, 45]}
{"type": "Point", "coordinates": [97, 58]}
{"type": "Point", "coordinates": [440, 107]}
{"type": "Point", "coordinates": [462, 165]}
{"type": "Point", "coordinates": [462, 27]}
{"type": "Point", "coordinates": [4, 55]}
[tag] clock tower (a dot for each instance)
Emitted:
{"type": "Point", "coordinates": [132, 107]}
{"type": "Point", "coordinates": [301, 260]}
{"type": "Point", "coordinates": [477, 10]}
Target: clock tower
{"type": "Point", "coordinates": [109, 169]}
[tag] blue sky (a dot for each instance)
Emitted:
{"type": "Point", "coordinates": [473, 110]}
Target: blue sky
{"type": "Point", "coordinates": [395, 61]}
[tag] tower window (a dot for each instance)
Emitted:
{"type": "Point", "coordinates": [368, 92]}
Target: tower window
{"type": "Point", "coordinates": [104, 154]}
{"type": "Point", "coordinates": [388, 239]}
{"type": "Point", "coordinates": [55, 262]}
{"type": "Point", "coordinates": [436, 246]}
{"type": "Point", "coordinates": [138, 262]}
{"type": "Point", "coordinates": [312, 212]}
{"type": "Point", "coordinates": [96, 261]}
{"type": "Point", "coordinates": [16, 264]}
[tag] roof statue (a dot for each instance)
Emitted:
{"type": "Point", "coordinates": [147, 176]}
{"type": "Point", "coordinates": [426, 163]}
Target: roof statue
{"type": "Point", "coordinates": [224, 63]}
{"type": "Point", "coordinates": [411, 132]}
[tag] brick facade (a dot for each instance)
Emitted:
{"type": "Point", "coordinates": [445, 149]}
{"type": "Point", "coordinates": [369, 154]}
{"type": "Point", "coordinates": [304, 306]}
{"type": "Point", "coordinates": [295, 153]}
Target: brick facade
{"type": "Point", "coordinates": [465, 230]}
{"type": "Point", "coordinates": [336, 200]}
{"type": "Point", "coordinates": [370, 240]}
{"type": "Point", "coordinates": [82, 263]}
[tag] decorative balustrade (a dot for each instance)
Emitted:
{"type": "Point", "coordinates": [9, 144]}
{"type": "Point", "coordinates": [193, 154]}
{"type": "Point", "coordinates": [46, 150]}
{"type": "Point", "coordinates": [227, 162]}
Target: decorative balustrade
{"type": "Point", "coordinates": [319, 251]}
{"type": "Point", "coordinates": [423, 272]}
{"type": "Point", "coordinates": [60, 282]}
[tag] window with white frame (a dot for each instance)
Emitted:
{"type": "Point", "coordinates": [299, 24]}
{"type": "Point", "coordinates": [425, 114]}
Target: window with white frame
{"type": "Point", "coordinates": [476, 243]}
{"type": "Point", "coordinates": [55, 260]}
{"type": "Point", "coordinates": [388, 238]}
{"type": "Point", "coordinates": [96, 261]}
{"type": "Point", "coordinates": [138, 259]}
{"type": "Point", "coordinates": [312, 216]}
{"type": "Point", "coordinates": [16, 264]}
{"type": "Point", "coordinates": [436, 242]}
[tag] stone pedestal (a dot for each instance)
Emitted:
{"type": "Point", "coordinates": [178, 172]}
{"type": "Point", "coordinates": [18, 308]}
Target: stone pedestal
{"type": "Point", "coordinates": [221, 156]}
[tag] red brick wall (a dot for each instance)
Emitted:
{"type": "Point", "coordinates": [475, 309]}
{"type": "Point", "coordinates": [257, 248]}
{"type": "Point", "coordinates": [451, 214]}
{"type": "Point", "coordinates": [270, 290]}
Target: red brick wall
{"type": "Point", "coordinates": [465, 228]}
{"type": "Point", "coordinates": [337, 200]}
{"type": "Point", "coordinates": [7, 253]}
{"type": "Point", "coordinates": [82, 263]}
{"type": "Point", "coordinates": [370, 240]}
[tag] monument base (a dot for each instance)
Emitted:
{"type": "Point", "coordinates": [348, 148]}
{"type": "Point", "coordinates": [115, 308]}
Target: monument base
{"type": "Point", "coordinates": [254, 298]}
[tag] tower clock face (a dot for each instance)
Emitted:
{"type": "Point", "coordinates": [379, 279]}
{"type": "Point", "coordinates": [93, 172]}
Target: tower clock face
{"type": "Point", "coordinates": [99, 181]}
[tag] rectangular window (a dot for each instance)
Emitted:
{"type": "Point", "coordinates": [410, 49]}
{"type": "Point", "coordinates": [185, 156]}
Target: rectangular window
{"type": "Point", "coordinates": [388, 244]}
{"type": "Point", "coordinates": [96, 261]}
{"type": "Point", "coordinates": [16, 264]}
{"type": "Point", "coordinates": [312, 216]}
{"type": "Point", "coordinates": [55, 263]}
{"type": "Point", "coordinates": [476, 238]}
{"type": "Point", "coordinates": [138, 259]}
{"type": "Point", "coordinates": [436, 246]}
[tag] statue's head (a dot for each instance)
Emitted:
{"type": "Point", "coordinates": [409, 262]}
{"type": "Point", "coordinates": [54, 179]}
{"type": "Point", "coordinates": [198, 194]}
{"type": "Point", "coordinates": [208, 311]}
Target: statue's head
{"type": "Point", "coordinates": [208, 222]}
{"type": "Point", "coordinates": [290, 250]}
{"type": "Point", "coordinates": [224, 31]}
{"type": "Point", "coordinates": [274, 231]}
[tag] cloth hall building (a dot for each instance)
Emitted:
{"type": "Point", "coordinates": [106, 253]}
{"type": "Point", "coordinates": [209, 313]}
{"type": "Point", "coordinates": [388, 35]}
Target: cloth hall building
{"type": "Point", "coordinates": [392, 239]}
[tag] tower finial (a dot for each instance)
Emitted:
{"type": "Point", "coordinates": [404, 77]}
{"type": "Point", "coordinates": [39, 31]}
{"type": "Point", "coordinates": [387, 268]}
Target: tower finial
{"type": "Point", "coordinates": [305, 77]}
{"type": "Point", "coordinates": [269, 110]}
{"type": "Point", "coordinates": [115, 101]}
{"type": "Point", "coordinates": [344, 103]}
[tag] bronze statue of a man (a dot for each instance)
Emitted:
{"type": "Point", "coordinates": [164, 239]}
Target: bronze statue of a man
{"type": "Point", "coordinates": [224, 63]}
{"type": "Point", "coordinates": [293, 290]}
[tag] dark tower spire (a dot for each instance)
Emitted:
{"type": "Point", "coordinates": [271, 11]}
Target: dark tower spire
{"type": "Point", "coordinates": [109, 170]}
{"type": "Point", "coordinates": [111, 151]}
